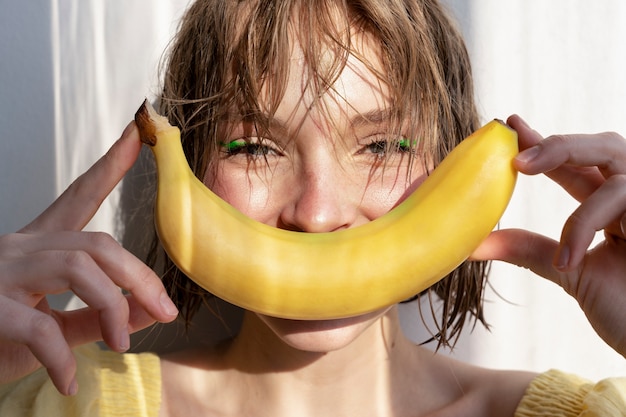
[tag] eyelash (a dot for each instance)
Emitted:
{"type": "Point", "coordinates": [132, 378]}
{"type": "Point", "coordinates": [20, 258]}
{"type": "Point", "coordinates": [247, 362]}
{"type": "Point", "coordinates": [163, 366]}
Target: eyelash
{"type": "Point", "coordinates": [245, 147]}
{"type": "Point", "coordinates": [381, 146]}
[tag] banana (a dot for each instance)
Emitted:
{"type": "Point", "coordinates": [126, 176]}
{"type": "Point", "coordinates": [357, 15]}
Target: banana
{"type": "Point", "coordinates": [337, 274]}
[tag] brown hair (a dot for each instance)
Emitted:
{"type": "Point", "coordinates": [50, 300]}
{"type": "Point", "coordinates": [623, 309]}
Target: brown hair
{"type": "Point", "coordinates": [226, 50]}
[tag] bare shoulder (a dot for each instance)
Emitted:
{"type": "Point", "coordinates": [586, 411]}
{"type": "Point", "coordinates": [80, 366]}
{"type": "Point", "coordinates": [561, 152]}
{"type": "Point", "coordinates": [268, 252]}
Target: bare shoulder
{"type": "Point", "coordinates": [503, 390]}
{"type": "Point", "coordinates": [486, 392]}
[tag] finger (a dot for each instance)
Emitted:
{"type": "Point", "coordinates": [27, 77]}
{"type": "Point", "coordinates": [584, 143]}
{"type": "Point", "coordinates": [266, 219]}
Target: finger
{"type": "Point", "coordinates": [601, 210]}
{"type": "Point", "coordinates": [527, 137]}
{"type": "Point", "coordinates": [607, 151]}
{"type": "Point", "coordinates": [528, 250]}
{"type": "Point", "coordinates": [81, 326]}
{"type": "Point", "coordinates": [77, 205]}
{"type": "Point", "coordinates": [119, 265]}
{"type": "Point", "coordinates": [522, 248]}
{"type": "Point", "coordinates": [75, 271]}
{"type": "Point", "coordinates": [579, 176]}
{"type": "Point", "coordinates": [43, 337]}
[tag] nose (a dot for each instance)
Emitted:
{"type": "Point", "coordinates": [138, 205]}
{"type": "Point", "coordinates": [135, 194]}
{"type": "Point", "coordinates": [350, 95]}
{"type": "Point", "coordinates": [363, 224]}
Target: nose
{"type": "Point", "coordinates": [323, 201]}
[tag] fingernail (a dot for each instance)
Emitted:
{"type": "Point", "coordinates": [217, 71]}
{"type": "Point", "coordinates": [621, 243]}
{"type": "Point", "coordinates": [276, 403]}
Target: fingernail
{"type": "Point", "coordinates": [124, 344]}
{"type": "Point", "coordinates": [168, 306]}
{"type": "Point", "coordinates": [73, 388]}
{"type": "Point", "coordinates": [562, 258]}
{"type": "Point", "coordinates": [529, 154]}
{"type": "Point", "coordinates": [523, 121]}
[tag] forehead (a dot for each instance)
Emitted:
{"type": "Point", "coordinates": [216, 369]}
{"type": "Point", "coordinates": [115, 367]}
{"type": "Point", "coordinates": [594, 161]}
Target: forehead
{"type": "Point", "coordinates": [332, 84]}
{"type": "Point", "coordinates": [305, 59]}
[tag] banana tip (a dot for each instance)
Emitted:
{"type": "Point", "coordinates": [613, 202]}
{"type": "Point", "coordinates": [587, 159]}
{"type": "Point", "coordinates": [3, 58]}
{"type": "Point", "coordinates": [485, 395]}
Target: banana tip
{"type": "Point", "coordinates": [145, 123]}
{"type": "Point", "coordinates": [503, 123]}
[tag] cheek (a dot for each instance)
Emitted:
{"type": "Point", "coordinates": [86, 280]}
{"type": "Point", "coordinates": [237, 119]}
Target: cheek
{"type": "Point", "coordinates": [386, 192]}
{"type": "Point", "coordinates": [247, 193]}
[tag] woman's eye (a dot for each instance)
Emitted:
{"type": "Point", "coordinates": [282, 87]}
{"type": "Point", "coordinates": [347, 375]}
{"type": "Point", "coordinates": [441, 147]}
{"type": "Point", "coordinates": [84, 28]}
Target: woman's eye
{"type": "Point", "coordinates": [377, 147]}
{"type": "Point", "coordinates": [245, 147]}
{"type": "Point", "coordinates": [383, 146]}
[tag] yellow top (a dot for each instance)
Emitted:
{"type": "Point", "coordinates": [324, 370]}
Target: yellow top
{"type": "Point", "coordinates": [129, 385]}
{"type": "Point", "coordinates": [557, 394]}
{"type": "Point", "coordinates": [109, 384]}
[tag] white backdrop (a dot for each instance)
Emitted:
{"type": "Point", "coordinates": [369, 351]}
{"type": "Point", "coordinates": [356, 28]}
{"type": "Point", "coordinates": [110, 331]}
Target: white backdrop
{"type": "Point", "coordinates": [74, 71]}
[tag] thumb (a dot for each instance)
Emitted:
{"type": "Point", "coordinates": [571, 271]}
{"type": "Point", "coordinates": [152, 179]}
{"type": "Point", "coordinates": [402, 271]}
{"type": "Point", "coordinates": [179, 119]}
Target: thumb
{"type": "Point", "coordinates": [522, 248]}
{"type": "Point", "coordinates": [82, 326]}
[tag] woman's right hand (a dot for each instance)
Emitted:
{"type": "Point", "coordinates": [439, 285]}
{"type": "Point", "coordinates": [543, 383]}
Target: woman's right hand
{"type": "Point", "coordinates": [52, 255]}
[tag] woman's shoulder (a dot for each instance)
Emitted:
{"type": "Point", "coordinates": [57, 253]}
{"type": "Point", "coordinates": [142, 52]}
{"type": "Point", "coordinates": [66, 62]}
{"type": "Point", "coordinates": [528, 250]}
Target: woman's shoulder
{"type": "Point", "coordinates": [482, 391]}
{"type": "Point", "coordinates": [524, 394]}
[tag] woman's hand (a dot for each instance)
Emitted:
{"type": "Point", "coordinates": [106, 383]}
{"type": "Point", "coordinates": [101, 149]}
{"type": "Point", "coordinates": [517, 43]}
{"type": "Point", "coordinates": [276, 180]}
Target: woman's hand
{"type": "Point", "coordinates": [591, 168]}
{"type": "Point", "coordinates": [51, 255]}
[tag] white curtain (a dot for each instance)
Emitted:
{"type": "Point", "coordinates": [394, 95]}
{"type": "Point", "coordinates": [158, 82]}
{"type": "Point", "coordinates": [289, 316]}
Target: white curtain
{"type": "Point", "coordinates": [560, 65]}
{"type": "Point", "coordinates": [74, 71]}
{"type": "Point", "coordinates": [105, 59]}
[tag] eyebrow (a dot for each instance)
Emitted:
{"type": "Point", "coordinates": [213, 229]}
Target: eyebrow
{"type": "Point", "coordinates": [373, 117]}
{"type": "Point", "coordinates": [262, 119]}
{"type": "Point", "coordinates": [369, 118]}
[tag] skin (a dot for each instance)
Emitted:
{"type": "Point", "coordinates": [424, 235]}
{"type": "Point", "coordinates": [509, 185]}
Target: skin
{"type": "Point", "coordinates": [359, 366]}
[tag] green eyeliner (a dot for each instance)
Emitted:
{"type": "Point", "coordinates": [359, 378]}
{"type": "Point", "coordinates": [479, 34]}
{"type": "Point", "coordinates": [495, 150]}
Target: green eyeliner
{"type": "Point", "coordinates": [407, 143]}
{"type": "Point", "coordinates": [233, 145]}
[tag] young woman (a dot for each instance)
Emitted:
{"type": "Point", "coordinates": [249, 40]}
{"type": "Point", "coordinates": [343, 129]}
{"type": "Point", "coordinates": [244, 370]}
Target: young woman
{"type": "Point", "coordinates": [312, 116]}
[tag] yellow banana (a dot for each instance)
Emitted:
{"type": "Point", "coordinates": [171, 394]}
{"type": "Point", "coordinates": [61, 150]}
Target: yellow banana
{"type": "Point", "coordinates": [337, 274]}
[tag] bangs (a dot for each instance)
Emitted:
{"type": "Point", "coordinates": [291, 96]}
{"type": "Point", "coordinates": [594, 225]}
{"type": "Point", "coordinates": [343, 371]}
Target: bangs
{"type": "Point", "coordinates": [326, 35]}
{"type": "Point", "coordinates": [238, 61]}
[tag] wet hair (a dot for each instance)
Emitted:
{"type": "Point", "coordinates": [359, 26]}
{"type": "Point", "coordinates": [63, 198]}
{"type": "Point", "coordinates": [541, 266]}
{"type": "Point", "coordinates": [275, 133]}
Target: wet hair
{"type": "Point", "coordinates": [227, 51]}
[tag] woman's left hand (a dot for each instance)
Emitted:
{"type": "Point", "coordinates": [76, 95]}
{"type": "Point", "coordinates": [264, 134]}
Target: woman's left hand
{"type": "Point", "coordinates": [591, 168]}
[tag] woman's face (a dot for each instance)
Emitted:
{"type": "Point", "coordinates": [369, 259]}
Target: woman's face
{"type": "Point", "coordinates": [320, 171]}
